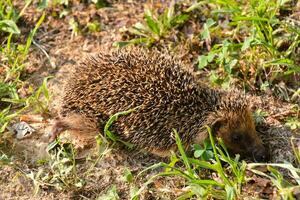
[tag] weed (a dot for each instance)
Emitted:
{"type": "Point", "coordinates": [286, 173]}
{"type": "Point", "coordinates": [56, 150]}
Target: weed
{"type": "Point", "coordinates": [111, 194]}
{"type": "Point", "coordinates": [155, 26]}
{"type": "Point", "coordinates": [5, 159]}
{"type": "Point", "coordinates": [109, 123]}
{"type": "Point", "coordinates": [61, 172]}
{"type": "Point", "coordinates": [205, 152]}
{"type": "Point", "coordinates": [293, 123]}
{"type": "Point", "coordinates": [8, 17]}
{"type": "Point", "coordinates": [103, 149]}
{"type": "Point", "coordinates": [231, 176]}
{"type": "Point", "coordinates": [74, 27]}
{"type": "Point", "coordinates": [259, 116]}
{"type": "Point", "coordinates": [296, 95]}
{"type": "Point", "coordinates": [5, 117]}
{"type": "Point", "coordinates": [94, 26]}
{"type": "Point", "coordinates": [222, 187]}
{"type": "Point", "coordinates": [268, 51]}
{"type": "Point", "coordinates": [38, 102]}
{"type": "Point", "coordinates": [42, 4]}
{"type": "Point", "coordinates": [285, 188]}
{"type": "Point", "coordinates": [34, 101]}
{"type": "Point", "coordinates": [9, 26]}
{"type": "Point", "coordinates": [13, 56]}
{"type": "Point", "coordinates": [60, 169]}
{"type": "Point", "coordinates": [256, 46]}
{"type": "Point", "coordinates": [100, 3]}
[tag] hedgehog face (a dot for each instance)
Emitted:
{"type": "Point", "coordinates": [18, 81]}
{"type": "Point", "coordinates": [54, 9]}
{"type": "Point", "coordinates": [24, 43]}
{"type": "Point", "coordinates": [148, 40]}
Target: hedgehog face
{"type": "Point", "coordinates": [237, 130]}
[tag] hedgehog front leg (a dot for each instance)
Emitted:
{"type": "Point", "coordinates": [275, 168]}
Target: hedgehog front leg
{"type": "Point", "coordinates": [57, 128]}
{"type": "Point", "coordinates": [162, 152]}
{"type": "Point", "coordinates": [76, 123]}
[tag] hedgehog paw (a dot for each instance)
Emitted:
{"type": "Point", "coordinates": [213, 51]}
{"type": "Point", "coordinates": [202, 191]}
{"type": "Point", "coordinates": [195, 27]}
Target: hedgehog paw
{"type": "Point", "coordinates": [77, 124]}
{"type": "Point", "coordinates": [162, 152]}
{"type": "Point", "coordinates": [58, 127]}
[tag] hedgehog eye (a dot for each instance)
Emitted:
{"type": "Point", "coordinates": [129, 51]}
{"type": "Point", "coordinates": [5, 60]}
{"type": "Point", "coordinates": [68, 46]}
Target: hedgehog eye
{"type": "Point", "coordinates": [236, 137]}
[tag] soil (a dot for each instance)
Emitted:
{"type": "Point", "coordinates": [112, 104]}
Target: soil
{"type": "Point", "coordinates": [65, 50]}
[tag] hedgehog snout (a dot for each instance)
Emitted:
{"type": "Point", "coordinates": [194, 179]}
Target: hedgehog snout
{"type": "Point", "coordinates": [259, 154]}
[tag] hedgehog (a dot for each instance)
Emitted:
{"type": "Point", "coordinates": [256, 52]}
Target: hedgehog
{"type": "Point", "coordinates": [165, 96]}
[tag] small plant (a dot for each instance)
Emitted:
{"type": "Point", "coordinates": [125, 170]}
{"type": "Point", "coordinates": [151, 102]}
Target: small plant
{"type": "Point", "coordinates": [109, 134]}
{"type": "Point", "coordinates": [13, 56]}
{"type": "Point", "coordinates": [296, 149]}
{"type": "Point", "coordinates": [222, 187]}
{"type": "Point", "coordinates": [9, 26]}
{"type": "Point", "coordinates": [111, 194]}
{"type": "Point", "coordinates": [155, 26]}
{"type": "Point", "coordinates": [293, 123]}
{"type": "Point", "coordinates": [66, 4]}
{"type": "Point", "coordinates": [231, 174]}
{"type": "Point", "coordinates": [74, 27]}
{"type": "Point", "coordinates": [94, 26]}
{"type": "Point", "coordinates": [8, 18]}
{"type": "Point", "coordinates": [285, 188]}
{"type": "Point", "coordinates": [100, 3]}
{"type": "Point", "coordinates": [5, 159]}
{"type": "Point", "coordinates": [61, 171]}
{"type": "Point", "coordinates": [259, 116]}
{"type": "Point", "coordinates": [258, 49]}
{"type": "Point", "coordinates": [204, 152]}
{"type": "Point", "coordinates": [5, 117]}
{"type": "Point", "coordinates": [38, 101]}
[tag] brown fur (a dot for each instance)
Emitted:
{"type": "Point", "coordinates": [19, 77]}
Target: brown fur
{"type": "Point", "coordinates": [242, 125]}
{"type": "Point", "coordinates": [167, 97]}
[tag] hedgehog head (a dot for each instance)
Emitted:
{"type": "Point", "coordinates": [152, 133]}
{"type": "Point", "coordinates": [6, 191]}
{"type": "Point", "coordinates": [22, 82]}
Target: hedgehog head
{"type": "Point", "coordinates": [233, 122]}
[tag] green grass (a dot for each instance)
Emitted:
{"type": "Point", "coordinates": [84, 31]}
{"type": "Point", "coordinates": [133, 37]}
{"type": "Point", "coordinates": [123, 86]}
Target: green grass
{"type": "Point", "coordinates": [109, 134]}
{"type": "Point", "coordinates": [61, 171]}
{"type": "Point", "coordinates": [265, 45]}
{"type": "Point", "coordinates": [14, 55]}
{"type": "Point", "coordinates": [230, 174]}
{"type": "Point", "coordinates": [155, 26]}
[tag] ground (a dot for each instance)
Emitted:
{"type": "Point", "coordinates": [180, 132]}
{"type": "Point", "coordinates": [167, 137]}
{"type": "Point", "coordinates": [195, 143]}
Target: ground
{"type": "Point", "coordinates": [65, 48]}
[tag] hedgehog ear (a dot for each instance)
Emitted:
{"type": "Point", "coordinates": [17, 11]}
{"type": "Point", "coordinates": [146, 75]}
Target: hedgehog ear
{"type": "Point", "coordinates": [216, 125]}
